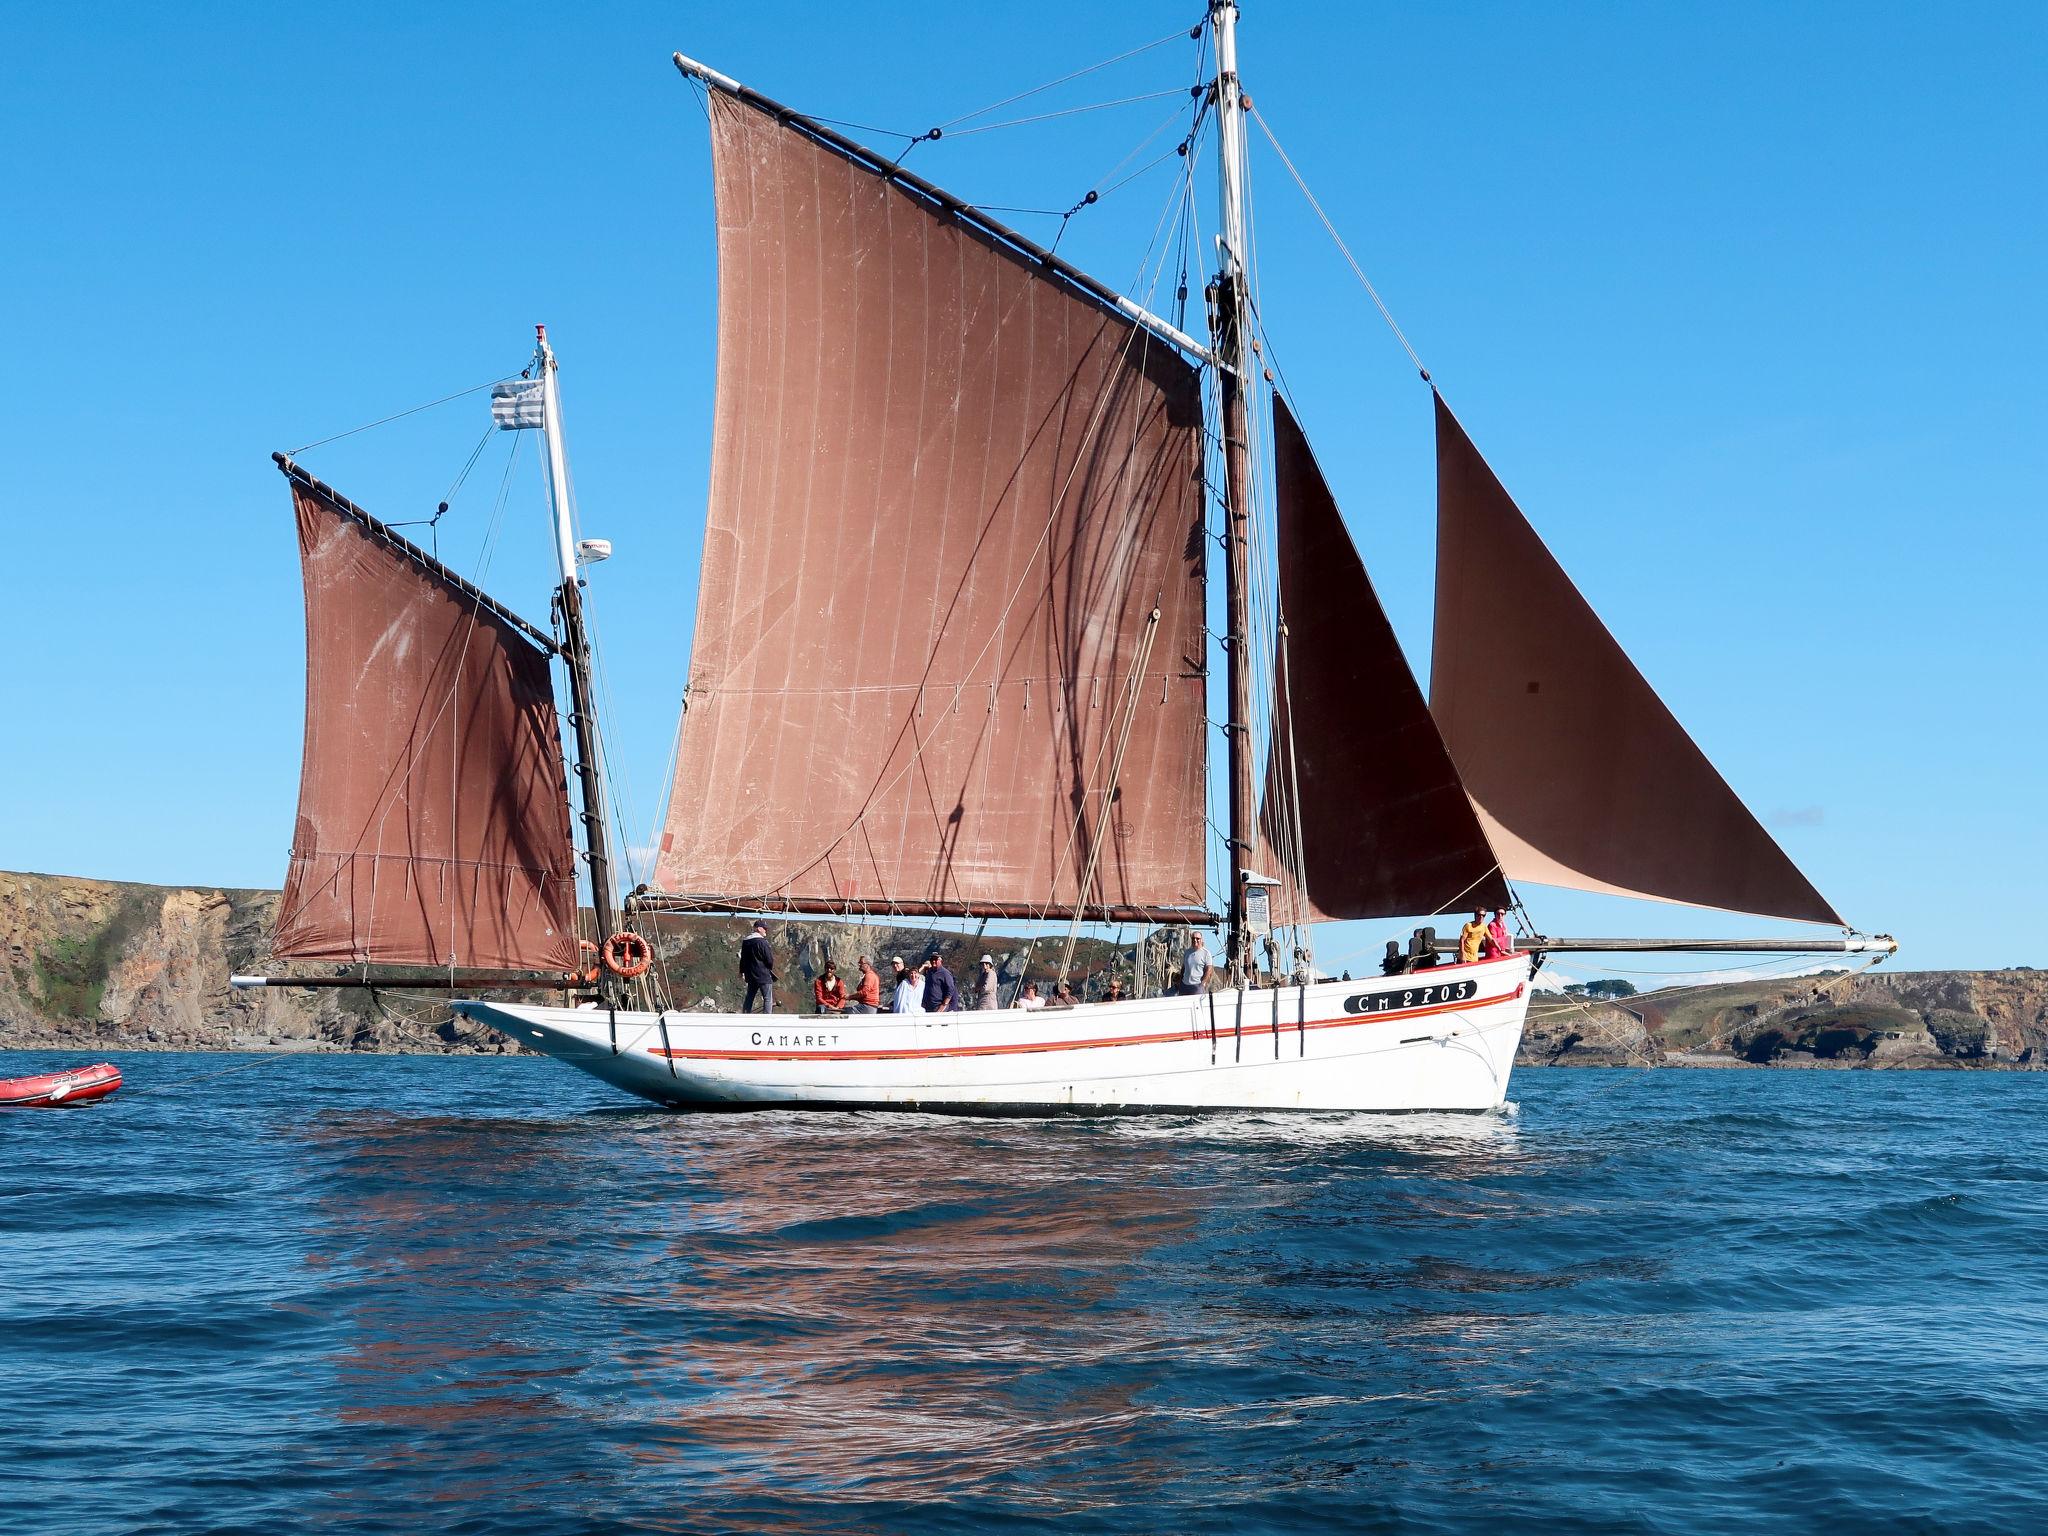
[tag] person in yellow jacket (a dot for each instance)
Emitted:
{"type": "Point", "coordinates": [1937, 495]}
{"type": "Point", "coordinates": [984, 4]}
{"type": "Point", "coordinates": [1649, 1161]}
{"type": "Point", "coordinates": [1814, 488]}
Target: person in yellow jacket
{"type": "Point", "coordinates": [1471, 938]}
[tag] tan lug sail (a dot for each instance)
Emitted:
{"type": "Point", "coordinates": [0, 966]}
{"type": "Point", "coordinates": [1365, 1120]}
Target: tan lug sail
{"type": "Point", "coordinates": [433, 823]}
{"type": "Point", "coordinates": [1581, 776]}
{"type": "Point", "coordinates": [1384, 825]}
{"type": "Point", "coordinates": [947, 490]}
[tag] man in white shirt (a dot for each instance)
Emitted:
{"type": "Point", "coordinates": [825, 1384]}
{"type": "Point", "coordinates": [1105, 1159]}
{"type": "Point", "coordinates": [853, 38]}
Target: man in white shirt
{"type": "Point", "coordinates": [1194, 968]}
{"type": "Point", "coordinates": [909, 988]}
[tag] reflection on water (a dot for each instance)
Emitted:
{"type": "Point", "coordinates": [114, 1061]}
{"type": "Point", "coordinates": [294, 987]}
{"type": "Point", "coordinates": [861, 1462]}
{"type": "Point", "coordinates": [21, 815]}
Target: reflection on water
{"type": "Point", "coordinates": [875, 1306]}
{"type": "Point", "coordinates": [474, 1296]}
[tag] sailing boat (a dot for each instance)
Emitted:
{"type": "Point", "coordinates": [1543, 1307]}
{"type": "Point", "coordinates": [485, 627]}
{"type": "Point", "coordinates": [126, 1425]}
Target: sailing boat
{"type": "Point", "coordinates": [898, 371]}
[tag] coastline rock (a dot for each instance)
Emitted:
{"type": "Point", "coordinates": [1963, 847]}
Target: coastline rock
{"type": "Point", "coordinates": [1901, 1020]}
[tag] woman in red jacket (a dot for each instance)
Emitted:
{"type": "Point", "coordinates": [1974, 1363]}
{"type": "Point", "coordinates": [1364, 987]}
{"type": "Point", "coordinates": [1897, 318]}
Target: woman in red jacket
{"type": "Point", "coordinates": [830, 990]}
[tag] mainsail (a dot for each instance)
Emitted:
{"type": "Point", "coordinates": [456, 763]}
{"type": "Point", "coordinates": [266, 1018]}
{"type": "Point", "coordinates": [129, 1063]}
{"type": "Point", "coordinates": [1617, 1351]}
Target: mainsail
{"type": "Point", "coordinates": [1362, 808]}
{"type": "Point", "coordinates": [948, 490]}
{"type": "Point", "coordinates": [433, 824]}
{"type": "Point", "coordinates": [1581, 776]}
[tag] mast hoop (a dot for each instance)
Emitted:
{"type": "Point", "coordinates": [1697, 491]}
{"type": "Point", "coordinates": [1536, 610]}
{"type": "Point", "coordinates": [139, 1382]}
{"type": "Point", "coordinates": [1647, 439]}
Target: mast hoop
{"type": "Point", "coordinates": [1093, 290]}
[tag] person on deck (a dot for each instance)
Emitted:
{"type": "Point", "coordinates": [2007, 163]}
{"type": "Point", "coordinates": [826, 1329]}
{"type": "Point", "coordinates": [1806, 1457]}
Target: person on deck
{"type": "Point", "coordinates": [987, 987]}
{"type": "Point", "coordinates": [941, 992]}
{"type": "Point", "coordinates": [1472, 938]}
{"type": "Point", "coordinates": [1194, 968]}
{"type": "Point", "coordinates": [867, 991]}
{"type": "Point", "coordinates": [830, 990]}
{"type": "Point", "coordinates": [757, 970]}
{"type": "Point", "coordinates": [1063, 997]}
{"type": "Point", "coordinates": [1029, 998]}
{"type": "Point", "coordinates": [1499, 942]}
{"type": "Point", "coordinates": [1114, 992]}
{"type": "Point", "coordinates": [909, 988]}
{"type": "Point", "coordinates": [900, 977]}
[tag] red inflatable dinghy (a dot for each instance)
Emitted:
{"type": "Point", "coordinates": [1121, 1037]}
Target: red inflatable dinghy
{"type": "Point", "coordinates": [60, 1090]}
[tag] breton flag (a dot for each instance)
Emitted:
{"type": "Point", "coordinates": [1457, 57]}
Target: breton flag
{"type": "Point", "coordinates": [515, 404]}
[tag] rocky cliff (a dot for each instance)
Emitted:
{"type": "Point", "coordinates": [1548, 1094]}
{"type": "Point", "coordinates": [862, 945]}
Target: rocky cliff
{"type": "Point", "coordinates": [98, 963]}
{"type": "Point", "coordinates": [93, 964]}
{"type": "Point", "coordinates": [1868, 1019]}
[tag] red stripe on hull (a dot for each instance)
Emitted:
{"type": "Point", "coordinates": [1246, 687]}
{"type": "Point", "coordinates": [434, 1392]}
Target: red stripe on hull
{"type": "Point", "coordinates": [1221, 1030]}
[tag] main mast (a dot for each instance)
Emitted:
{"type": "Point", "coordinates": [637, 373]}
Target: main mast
{"type": "Point", "coordinates": [576, 651]}
{"type": "Point", "coordinates": [1231, 339]}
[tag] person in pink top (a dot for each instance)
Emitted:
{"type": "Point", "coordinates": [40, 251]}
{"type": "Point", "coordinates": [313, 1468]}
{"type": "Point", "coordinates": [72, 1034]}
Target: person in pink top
{"type": "Point", "coordinates": [1498, 942]}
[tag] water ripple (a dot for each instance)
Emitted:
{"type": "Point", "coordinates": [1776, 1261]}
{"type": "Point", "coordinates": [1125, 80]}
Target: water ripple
{"type": "Point", "coordinates": [483, 1296]}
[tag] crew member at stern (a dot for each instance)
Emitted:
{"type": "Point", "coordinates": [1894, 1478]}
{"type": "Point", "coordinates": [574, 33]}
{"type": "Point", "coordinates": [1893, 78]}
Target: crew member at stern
{"type": "Point", "coordinates": [757, 970]}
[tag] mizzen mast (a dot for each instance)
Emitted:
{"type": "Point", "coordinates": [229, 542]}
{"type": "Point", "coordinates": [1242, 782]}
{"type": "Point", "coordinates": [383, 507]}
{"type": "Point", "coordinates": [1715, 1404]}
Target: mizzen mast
{"type": "Point", "coordinates": [576, 652]}
{"type": "Point", "coordinates": [1232, 342]}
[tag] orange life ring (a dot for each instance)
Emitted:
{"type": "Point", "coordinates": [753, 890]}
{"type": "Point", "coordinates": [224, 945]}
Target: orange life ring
{"type": "Point", "coordinates": [588, 973]}
{"type": "Point", "coordinates": [627, 955]}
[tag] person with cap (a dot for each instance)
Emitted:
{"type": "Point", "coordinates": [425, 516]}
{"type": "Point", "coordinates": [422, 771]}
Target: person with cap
{"type": "Point", "coordinates": [867, 992]}
{"type": "Point", "coordinates": [987, 987]}
{"type": "Point", "coordinates": [909, 996]}
{"type": "Point", "coordinates": [1063, 996]}
{"type": "Point", "coordinates": [829, 990]}
{"type": "Point", "coordinates": [757, 970]}
{"type": "Point", "coordinates": [941, 992]}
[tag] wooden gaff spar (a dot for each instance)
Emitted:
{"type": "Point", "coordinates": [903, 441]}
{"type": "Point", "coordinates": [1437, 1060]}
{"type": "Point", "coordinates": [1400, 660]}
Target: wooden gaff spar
{"type": "Point", "coordinates": [898, 371]}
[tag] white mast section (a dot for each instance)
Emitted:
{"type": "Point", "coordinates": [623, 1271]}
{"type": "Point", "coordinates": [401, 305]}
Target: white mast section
{"type": "Point", "coordinates": [589, 768]}
{"type": "Point", "coordinates": [557, 458]}
{"type": "Point", "coordinates": [1231, 144]}
{"type": "Point", "coordinates": [1230, 329]}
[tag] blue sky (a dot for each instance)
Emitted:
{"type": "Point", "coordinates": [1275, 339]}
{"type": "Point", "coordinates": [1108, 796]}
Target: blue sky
{"type": "Point", "coordinates": [1744, 303]}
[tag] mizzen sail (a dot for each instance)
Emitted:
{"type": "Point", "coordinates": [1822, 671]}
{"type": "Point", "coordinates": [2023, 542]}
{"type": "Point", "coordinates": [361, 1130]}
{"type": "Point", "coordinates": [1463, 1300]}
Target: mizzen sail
{"type": "Point", "coordinates": [1363, 813]}
{"type": "Point", "coordinates": [433, 824]}
{"type": "Point", "coordinates": [1581, 776]}
{"type": "Point", "coordinates": [948, 489]}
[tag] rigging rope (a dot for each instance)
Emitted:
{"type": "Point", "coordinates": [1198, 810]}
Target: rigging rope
{"type": "Point", "coordinates": [394, 416]}
{"type": "Point", "coordinates": [1331, 229]}
{"type": "Point", "coordinates": [995, 106]}
{"type": "Point", "coordinates": [1134, 687]}
{"type": "Point", "coordinates": [1046, 117]}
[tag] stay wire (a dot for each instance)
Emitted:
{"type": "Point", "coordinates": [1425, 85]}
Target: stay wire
{"type": "Point", "coordinates": [1331, 229]}
{"type": "Point", "coordinates": [1036, 90]}
{"type": "Point", "coordinates": [474, 389]}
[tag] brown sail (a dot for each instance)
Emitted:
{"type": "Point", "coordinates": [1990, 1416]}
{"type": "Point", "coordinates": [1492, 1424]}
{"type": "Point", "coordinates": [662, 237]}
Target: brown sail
{"type": "Point", "coordinates": [1362, 812]}
{"type": "Point", "coordinates": [948, 488]}
{"type": "Point", "coordinates": [1582, 777]}
{"type": "Point", "coordinates": [433, 824]}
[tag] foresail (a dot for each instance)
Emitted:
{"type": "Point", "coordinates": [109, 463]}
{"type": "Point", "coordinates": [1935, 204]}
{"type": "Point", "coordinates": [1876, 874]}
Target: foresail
{"type": "Point", "coordinates": [947, 492]}
{"type": "Point", "coordinates": [433, 824]}
{"type": "Point", "coordinates": [1581, 776]}
{"type": "Point", "coordinates": [1363, 814]}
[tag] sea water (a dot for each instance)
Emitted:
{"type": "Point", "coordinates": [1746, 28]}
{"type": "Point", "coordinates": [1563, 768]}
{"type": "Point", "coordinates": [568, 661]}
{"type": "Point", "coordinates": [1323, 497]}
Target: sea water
{"type": "Point", "coordinates": [371, 1294]}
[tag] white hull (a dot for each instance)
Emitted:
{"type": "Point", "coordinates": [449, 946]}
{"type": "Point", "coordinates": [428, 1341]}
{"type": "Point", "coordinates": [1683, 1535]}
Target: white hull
{"type": "Point", "coordinates": [1441, 1039]}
